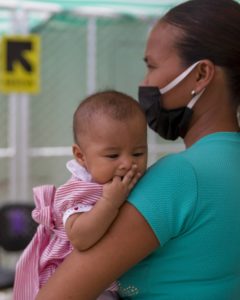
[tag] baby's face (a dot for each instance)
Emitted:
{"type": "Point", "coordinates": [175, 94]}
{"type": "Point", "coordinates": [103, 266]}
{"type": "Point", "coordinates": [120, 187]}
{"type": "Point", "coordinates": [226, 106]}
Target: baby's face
{"type": "Point", "coordinates": [112, 147]}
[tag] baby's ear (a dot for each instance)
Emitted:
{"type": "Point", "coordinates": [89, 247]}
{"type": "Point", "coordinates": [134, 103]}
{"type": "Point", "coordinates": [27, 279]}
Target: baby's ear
{"type": "Point", "coordinates": [78, 154]}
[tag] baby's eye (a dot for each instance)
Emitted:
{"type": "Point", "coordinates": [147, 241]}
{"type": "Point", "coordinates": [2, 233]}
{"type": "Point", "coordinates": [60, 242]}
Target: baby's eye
{"type": "Point", "coordinates": [138, 154]}
{"type": "Point", "coordinates": [112, 156]}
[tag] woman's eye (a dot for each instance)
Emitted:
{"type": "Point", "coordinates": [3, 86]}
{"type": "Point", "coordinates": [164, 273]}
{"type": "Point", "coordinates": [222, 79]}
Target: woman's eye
{"type": "Point", "coordinates": [150, 67]}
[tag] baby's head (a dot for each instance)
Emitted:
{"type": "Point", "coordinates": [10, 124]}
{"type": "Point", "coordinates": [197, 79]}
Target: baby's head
{"type": "Point", "coordinates": [110, 135]}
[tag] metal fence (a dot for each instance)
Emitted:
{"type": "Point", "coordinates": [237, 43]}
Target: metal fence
{"type": "Point", "coordinates": [79, 55]}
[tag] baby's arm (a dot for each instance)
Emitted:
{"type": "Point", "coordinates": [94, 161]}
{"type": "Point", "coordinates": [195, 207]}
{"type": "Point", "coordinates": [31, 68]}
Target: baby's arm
{"type": "Point", "coordinates": [85, 229]}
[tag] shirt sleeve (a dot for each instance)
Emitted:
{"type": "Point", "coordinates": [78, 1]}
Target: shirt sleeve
{"type": "Point", "coordinates": [166, 197]}
{"type": "Point", "coordinates": [75, 196]}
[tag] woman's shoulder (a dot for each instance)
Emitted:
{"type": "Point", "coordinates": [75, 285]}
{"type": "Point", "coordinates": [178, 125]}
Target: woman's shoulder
{"type": "Point", "coordinates": [167, 192]}
{"type": "Point", "coordinates": [172, 176]}
{"type": "Point", "coordinates": [172, 164]}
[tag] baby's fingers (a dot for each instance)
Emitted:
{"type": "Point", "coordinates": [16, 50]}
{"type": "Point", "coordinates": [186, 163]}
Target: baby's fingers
{"type": "Point", "coordinates": [131, 177]}
{"type": "Point", "coordinates": [134, 180]}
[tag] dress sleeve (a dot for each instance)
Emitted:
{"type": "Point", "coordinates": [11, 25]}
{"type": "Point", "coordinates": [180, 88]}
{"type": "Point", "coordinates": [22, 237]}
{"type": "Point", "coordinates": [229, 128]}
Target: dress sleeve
{"type": "Point", "coordinates": [166, 196]}
{"type": "Point", "coordinates": [78, 208]}
{"type": "Point", "coordinates": [75, 196]}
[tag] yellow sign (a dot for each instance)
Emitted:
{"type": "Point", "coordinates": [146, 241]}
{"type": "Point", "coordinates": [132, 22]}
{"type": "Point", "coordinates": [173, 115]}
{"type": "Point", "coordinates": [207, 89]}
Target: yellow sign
{"type": "Point", "coordinates": [20, 64]}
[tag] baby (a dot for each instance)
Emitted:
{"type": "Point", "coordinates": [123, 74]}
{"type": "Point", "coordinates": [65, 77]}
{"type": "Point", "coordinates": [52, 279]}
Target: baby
{"type": "Point", "coordinates": [110, 155]}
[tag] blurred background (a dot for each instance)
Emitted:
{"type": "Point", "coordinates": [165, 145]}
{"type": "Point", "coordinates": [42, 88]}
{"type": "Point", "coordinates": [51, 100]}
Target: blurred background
{"type": "Point", "coordinates": [84, 46]}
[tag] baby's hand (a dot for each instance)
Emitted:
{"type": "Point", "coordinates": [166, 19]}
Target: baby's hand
{"type": "Point", "coordinates": [118, 189]}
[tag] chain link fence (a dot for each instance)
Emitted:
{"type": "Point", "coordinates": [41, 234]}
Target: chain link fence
{"type": "Point", "coordinates": [118, 64]}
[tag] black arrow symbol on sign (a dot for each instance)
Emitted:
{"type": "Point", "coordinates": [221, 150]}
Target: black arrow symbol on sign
{"type": "Point", "coordinates": [15, 54]}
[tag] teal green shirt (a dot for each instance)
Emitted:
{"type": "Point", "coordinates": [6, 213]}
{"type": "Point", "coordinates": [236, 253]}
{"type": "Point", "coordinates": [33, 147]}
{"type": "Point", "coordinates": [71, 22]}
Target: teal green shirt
{"type": "Point", "coordinates": [191, 200]}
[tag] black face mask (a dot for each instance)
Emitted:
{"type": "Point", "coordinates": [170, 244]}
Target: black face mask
{"type": "Point", "coordinates": [169, 124]}
{"type": "Point", "coordinates": [173, 123]}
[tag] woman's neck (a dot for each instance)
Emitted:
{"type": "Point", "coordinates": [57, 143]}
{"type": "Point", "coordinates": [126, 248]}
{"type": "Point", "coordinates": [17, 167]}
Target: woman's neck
{"type": "Point", "coordinates": [211, 122]}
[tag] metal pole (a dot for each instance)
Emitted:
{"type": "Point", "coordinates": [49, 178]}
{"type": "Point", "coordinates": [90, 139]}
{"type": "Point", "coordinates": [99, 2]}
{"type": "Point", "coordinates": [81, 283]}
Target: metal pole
{"type": "Point", "coordinates": [24, 148]}
{"type": "Point", "coordinates": [19, 126]}
{"type": "Point", "coordinates": [13, 125]}
{"type": "Point", "coordinates": [12, 138]}
{"type": "Point", "coordinates": [24, 126]}
{"type": "Point", "coordinates": [91, 55]}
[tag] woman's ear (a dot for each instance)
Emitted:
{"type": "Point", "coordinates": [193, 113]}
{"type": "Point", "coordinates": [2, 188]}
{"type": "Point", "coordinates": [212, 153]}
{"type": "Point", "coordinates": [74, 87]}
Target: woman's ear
{"type": "Point", "coordinates": [78, 154]}
{"type": "Point", "coordinates": [204, 74]}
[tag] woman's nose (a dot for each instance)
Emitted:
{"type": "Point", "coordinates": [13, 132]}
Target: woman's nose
{"type": "Point", "coordinates": [144, 82]}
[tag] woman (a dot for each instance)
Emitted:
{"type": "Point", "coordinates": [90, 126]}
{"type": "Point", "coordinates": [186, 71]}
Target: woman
{"type": "Point", "coordinates": [178, 237]}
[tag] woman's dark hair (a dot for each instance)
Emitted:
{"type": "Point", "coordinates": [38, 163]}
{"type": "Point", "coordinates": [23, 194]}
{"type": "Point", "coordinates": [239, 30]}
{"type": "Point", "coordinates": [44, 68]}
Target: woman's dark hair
{"type": "Point", "coordinates": [211, 30]}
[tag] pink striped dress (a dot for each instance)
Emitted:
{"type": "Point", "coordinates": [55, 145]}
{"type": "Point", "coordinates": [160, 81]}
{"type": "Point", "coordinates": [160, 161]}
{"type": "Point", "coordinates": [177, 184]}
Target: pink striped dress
{"type": "Point", "coordinates": [50, 244]}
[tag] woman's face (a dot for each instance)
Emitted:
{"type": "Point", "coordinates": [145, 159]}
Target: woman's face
{"type": "Point", "coordinates": [164, 65]}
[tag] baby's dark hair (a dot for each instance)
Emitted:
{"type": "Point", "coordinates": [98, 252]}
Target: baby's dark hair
{"type": "Point", "coordinates": [113, 104]}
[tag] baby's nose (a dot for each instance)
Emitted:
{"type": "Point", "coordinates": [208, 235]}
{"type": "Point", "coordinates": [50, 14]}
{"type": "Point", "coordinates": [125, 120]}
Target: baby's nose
{"type": "Point", "coordinates": [126, 163]}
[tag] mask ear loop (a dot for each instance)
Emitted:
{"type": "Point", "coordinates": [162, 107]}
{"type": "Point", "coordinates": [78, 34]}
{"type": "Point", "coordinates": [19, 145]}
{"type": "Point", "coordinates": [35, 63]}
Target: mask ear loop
{"type": "Point", "coordinates": [178, 79]}
{"type": "Point", "coordinates": [195, 98]}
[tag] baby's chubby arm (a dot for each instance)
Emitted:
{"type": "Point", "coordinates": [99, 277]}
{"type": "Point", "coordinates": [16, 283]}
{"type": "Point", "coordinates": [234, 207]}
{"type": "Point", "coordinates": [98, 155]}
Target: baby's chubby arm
{"type": "Point", "coordinates": [85, 229]}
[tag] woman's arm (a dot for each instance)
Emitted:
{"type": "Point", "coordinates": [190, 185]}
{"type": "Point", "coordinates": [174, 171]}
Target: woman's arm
{"type": "Point", "coordinates": [84, 275]}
